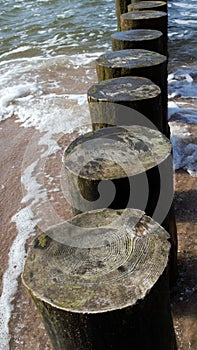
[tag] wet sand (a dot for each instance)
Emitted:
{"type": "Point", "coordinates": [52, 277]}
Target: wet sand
{"type": "Point", "coordinates": [26, 328]}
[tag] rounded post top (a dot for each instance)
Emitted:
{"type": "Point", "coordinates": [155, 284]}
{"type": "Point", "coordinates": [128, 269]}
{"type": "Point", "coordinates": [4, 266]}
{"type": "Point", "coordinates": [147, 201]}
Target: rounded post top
{"type": "Point", "coordinates": [137, 34]}
{"type": "Point", "coordinates": [123, 89]}
{"type": "Point", "coordinates": [131, 58]}
{"type": "Point", "coordinates": [112, 152]}
{"type": "Point", "coordinates": [124, 248]}
{"type": "Point", "coordinates": [137, 15]}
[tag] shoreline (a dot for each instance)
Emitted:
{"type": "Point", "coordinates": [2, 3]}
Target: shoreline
{"type": "Point", "coordinates": [27, 331]}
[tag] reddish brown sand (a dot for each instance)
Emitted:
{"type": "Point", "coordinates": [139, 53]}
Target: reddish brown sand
{"type": "Point", "coordinates": [26, 328]}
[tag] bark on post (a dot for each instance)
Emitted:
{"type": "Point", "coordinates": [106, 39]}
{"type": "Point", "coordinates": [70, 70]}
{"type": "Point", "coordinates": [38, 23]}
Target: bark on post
{"type": "Point", "coordinates": [138, 93]}
{"type": "Point", "coordinates": [148, 5]}
{"type": "Point", "coordinates": [120, 167]}
{"type": "Point", "coordinates": [102, 283]}
{"type": "Point", "coordinates": [136, 62]}
{"type": "Point", "coordinates": [121, 7]}
{"type": "Point", "coordinates": [147, 39]}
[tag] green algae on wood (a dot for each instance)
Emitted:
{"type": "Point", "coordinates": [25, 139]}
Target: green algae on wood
{"type": "Point", "coordinates": [109, 294]}
{"type": "Point", "coordinates": [41, 241]}
{"type": "Point", "coordinates": [113, 239]}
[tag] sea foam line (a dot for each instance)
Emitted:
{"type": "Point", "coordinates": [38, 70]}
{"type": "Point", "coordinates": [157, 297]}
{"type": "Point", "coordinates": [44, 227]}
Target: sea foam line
{"type": "Point", "coordinates": [25, 226]}
{"type": "Point", "coordinates": [35, 194]}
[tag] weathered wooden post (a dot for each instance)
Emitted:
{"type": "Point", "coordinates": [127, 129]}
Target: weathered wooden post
{"type": "Point", "coordinates": [138, 93]}
{"type": "Point", "coordinates": [119, 167]}
{"type": "Point", "coordinates": [136, 62]}
{"type": "Point", "coordinates": [157, 20]}
{"type": "Point", "coordinates": [147, 39]}
{"type": "Point", "coordinates": [121, 7]}
{"type": "Point", "coordinates": [102, 282]}
{"type": "Point", "coordinates": [148, 5]}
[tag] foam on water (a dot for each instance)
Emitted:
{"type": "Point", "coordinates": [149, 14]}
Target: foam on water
{"type": "Point", "coordinates": [39, 102]}
{"type": "Point", "coordinates": [185, 22]}
{"type": "Point", "coordinates": [25, 226]}
{"type": "Point", "coordinates": [183, 83]}
{"type": "Point", "coordinates": [184, 151]}
{"type": "Point", "coordinates": [48, 26]}
{"type": "Point", "coordinates": [9, 95]}
{"type": "Point", "coordinates": [185, 5]}
{"type": "Point", "coordinates": [66, 120]}
{"type": "Point", "coordinates": [44, 86]}
{"type": "Point", "coordinates": [37, 85]}
{"type": "Point", "coordinates": [183, 127]}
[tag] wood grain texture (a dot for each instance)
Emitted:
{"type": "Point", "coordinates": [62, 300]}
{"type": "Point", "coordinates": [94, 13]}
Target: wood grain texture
{"type": "Point", "coordinates": [105, 285]}
{"type": "Point", "coordinates": [118, 167]}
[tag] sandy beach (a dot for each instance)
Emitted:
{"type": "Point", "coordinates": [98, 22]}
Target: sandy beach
{"type": "Point", "coordinates": [26, 329]}
{"type": "Point", "coordinates": [46, 69]}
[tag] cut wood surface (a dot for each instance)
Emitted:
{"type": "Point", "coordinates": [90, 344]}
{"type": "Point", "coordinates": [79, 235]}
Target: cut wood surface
{"type": "Point", "coordinates": [119, 167]}
{"type": "Point", "coordinates": [147, 39]}
{"type": "Point", "coordinates": [138, 93]}
{"type": "Point", "coordinates": [135, 62]}
{"type": "Point", "coordinates": [100, 282]}
{"type": "Point", "coordinates": [148, 5]}
{"type": "Point", "coordinates": [93, 152]}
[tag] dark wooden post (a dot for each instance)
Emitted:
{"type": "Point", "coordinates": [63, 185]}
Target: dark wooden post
{"type": "Point", "coordinates": [138, 93]}
{"type": "Point", "coordinates": [102, 282]}
{"type": "Point", "coordinates": [119, 167]}
{"type": "Point", "coordinates": [121, 7]}
{"type": "Point", "coordinates": [157, 20]}
{"type": "Point", "coordinates": [136, 62]}
{"type": "Point", "coordinates": [147, 39]}
{"type": "Point", "coordinates": [148, 5]}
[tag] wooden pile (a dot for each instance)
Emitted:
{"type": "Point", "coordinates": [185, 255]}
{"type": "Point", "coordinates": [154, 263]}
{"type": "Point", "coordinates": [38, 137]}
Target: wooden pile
{"type": "Point", "coordinates": [102, 280]}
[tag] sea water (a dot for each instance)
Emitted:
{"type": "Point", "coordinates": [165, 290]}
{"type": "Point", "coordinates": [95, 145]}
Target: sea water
{"type": "Point", "coordinates": [47, 54]}
{"type": "Point", "coordinates": [182, 83]}
{"type": "Point", "coordinates": [48, 50]}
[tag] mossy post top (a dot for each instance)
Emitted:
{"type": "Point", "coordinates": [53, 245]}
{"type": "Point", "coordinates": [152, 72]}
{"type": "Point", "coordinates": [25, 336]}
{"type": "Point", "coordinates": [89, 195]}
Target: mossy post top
{"type": "Point", "coordinates": [123, 248]}
{"type": "Point", "coordinates": [106, 153]}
